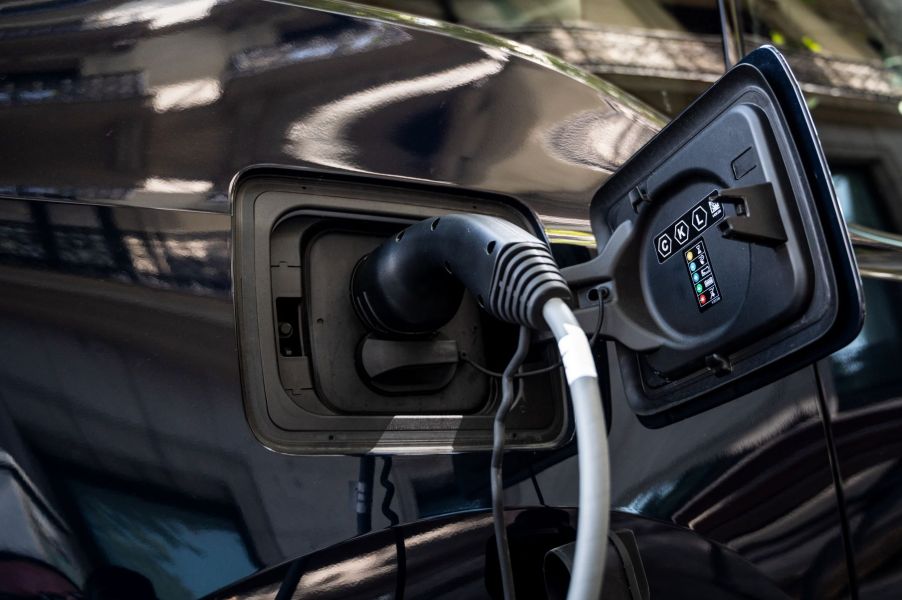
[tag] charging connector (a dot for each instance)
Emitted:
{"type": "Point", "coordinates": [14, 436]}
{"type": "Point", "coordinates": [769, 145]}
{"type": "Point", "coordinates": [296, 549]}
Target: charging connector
{"type": "Point", "coordinates": [414, 283]}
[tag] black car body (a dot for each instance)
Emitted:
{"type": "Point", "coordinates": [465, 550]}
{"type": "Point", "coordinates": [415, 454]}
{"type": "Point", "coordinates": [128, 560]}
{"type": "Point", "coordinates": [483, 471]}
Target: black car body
{"type": "Point", "coordinates": [127, 128]}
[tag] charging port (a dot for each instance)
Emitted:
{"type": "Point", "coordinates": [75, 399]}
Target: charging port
{"type": "Point", "coordinates": [317, 379]}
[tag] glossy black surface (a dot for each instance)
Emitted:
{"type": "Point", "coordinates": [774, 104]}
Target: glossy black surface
{"type": "Point", "coordinates": [863, 388]}
{"type": "Point", "coordinates": [123, 125]}
{"type": "Point", "coordinates": [162, 105]}
{"type": "Point", "coordinates": [453, 557]}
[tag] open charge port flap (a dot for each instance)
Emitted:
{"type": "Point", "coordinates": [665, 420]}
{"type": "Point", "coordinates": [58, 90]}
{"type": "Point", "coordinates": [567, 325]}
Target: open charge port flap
{"type": "Point", "coordinates": [316, 380]}
{"type": "Point", "coordinates": [723, 250]}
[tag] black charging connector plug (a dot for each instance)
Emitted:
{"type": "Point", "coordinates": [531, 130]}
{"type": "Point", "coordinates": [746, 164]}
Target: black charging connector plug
{"type": "Point", "coordinates": [414, 283]}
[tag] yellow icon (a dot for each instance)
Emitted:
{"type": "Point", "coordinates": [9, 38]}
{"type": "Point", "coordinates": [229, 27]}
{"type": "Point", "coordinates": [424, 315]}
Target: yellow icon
{"type": "Point", "coordinates": [690, 255]}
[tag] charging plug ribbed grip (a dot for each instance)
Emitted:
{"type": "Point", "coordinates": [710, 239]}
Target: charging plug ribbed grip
{"type": "Point", "coordinates": [414, 282]}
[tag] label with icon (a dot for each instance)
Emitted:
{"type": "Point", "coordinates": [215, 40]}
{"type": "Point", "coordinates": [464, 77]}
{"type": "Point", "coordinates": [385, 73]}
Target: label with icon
{"type": "Point", "coordinates": [690, 225]}
{"type": "Point", "coordinates": [701, 274]}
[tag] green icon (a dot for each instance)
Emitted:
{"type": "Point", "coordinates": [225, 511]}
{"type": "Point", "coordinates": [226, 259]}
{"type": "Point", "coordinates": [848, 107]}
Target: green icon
{"type": "Point", "coordinates": [695, 277]}
{"type": "Point", "coordinates": [698, 288]}
{"type": "Point", "coordinates": [693, 267]}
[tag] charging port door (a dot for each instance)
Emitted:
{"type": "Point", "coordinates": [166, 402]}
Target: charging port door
{"type": "Point", "coordinates": [723, 247]}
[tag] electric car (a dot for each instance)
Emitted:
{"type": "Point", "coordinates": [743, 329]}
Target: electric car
{"type": "Point", "coordinates": [197, 400]}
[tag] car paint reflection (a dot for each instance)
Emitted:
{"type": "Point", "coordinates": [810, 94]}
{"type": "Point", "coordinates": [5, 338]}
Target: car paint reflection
{"type": "Point", "coordinates": [194, 96]}
{"type": "Point", "coordinates": [325, 132]}
{"type": "Point", "coordinates": [452, 557]}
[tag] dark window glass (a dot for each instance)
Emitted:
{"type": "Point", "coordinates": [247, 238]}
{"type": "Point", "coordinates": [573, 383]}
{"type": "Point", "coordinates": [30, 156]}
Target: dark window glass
{"type": "Point", "coordinates": [867, 370]}
{"type": "Point", "coordinates": [858, 199]}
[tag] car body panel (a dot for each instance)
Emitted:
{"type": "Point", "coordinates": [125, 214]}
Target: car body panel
{"type": "Point", "coordinates": [125, 126]}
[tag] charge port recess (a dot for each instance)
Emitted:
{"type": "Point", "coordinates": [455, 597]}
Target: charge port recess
{"type": "Point", "coordinates": [316, 380]}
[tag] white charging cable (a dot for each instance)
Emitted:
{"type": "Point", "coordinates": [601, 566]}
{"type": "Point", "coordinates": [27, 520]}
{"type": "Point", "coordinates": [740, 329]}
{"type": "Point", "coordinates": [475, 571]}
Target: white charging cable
{"type": "Point", "coordinates": [587, 574]}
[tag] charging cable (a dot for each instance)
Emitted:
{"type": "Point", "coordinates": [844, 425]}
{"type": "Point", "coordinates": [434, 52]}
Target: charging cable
{"type": "Point", "coordinates": [414, 283]}
{"type": "Point", "coordinates": [498, 433]}
{"type": "Point", "coordinates": [592, 451]}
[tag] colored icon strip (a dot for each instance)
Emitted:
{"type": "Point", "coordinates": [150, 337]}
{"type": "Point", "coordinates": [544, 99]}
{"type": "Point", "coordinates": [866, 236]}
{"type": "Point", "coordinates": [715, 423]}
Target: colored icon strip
{"type": "Point", "coordinates": [701, 273]}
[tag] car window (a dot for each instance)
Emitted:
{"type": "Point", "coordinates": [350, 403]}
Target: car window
{"type": "Point", "coordinates": [866, 370]}
{"type": "Point", "coordinates": [859, 199]}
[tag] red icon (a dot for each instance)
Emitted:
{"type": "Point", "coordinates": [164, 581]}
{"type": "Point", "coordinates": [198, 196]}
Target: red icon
{"type": "Point", "coordinates": [703, 299]}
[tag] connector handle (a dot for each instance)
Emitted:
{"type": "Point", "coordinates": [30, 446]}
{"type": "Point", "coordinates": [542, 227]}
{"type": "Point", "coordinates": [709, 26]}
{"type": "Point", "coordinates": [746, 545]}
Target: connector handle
{"type": "Point", "coordinates": [414, 283]}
